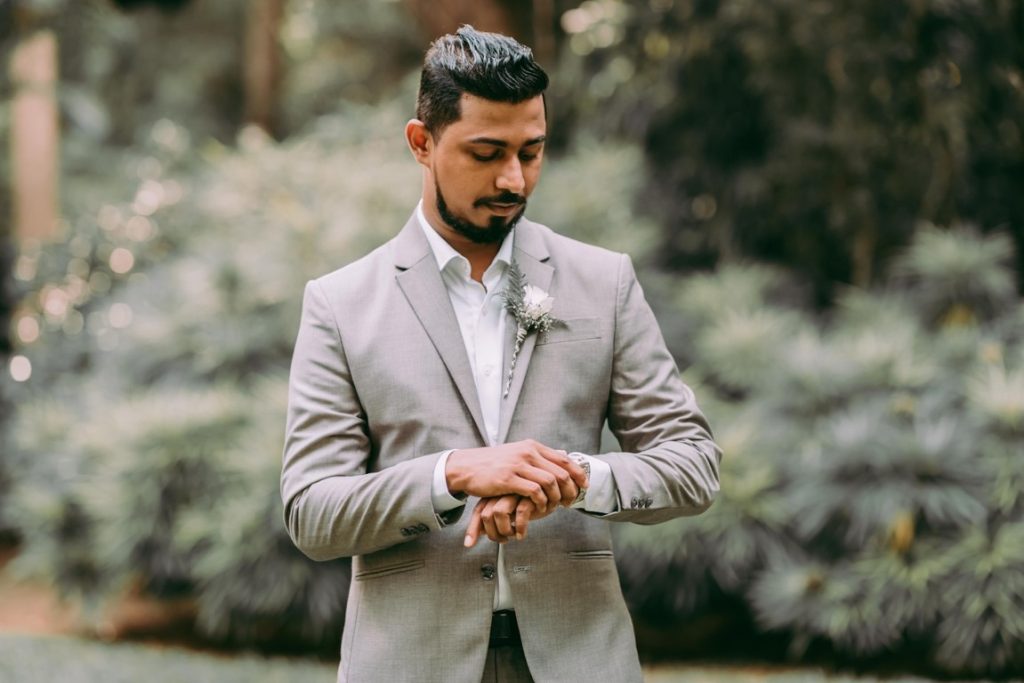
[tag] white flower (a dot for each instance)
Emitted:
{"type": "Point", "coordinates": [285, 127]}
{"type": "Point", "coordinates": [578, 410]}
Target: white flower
{"type": "Point", "coordinates": [536, 302]}
{"type": "Point", "coordinates": [531, 308]}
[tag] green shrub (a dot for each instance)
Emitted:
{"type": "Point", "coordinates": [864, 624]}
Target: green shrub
{"type": "Point", "coordinates": [870, 485]}
{"type": "Point", "coordinates": [814, 138]}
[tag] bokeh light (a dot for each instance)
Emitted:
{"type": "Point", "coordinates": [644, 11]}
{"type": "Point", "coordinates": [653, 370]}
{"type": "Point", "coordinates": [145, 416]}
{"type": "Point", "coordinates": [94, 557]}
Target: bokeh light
{"type": "Point", "coordinates": [120, 315]}
{"type": "Point", "coordinates": [55, 303]}
{"type": "Point", "coordinates": [148, 198]}
{"type": "Point", "coordinates": [149, 168]}
{"type": "Point", "coordinates": [121, 260]}
{"type": "Point", "coordinates": [27, 329]}
{"type": "Point", "coordinates": [25, 268]}
{"type": "Point", "coordinates": [99, 282]}
{"type": "Point", "coordinates": [139, 228]}
{"type": "Point", "coordinates": [20, 368]}
{"type": "Point", "coordinates": [73, 323]}
{"type": "Point", "coordinates": [109, 217]}
{"type": "Point", "coordinates": [78, 267]}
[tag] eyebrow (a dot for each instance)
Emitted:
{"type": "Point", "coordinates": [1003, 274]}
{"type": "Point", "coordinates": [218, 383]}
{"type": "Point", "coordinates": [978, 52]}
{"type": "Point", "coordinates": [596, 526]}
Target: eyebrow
{"type": "Point", "coordinates": [502, 143]}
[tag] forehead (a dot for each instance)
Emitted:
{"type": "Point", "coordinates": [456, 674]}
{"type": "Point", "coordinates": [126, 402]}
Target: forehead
{"type": "Point", "coordinates": [512, 123]}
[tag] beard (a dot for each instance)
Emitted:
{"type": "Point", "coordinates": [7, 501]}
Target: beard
{"type": "Point", "coordinates": [496, 229]}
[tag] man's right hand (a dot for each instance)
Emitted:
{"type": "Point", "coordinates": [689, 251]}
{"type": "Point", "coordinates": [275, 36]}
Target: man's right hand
{"type": "Point", "coordinates": [527, 468]}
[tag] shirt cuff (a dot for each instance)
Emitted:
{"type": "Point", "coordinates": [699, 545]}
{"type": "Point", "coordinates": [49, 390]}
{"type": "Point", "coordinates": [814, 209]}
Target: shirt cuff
{"type": "Point", "coordinates": [600, 495]}
{"type": "Point", "coordinates": [440, 496]}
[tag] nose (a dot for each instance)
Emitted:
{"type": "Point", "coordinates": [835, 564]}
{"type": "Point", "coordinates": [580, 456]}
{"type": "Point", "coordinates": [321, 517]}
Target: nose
{"type": "Point", "coordinates": [511, 178]}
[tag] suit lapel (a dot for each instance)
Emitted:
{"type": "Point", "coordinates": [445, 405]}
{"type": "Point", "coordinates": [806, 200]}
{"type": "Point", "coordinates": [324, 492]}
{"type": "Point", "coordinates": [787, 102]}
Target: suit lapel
{"type": "Point", "coordinates": [420, 281]}
{"type": "Point", "coordinates": [531, 254]}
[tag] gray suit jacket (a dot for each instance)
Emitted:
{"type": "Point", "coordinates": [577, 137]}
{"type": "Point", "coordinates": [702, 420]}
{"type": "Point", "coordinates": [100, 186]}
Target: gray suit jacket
{"type": "Point", "coordinates": [380, 386]}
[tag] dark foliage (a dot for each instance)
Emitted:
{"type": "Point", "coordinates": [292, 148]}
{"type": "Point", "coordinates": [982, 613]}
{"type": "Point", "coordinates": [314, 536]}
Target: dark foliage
{"type": "Point", "coordinates": [814, 136]}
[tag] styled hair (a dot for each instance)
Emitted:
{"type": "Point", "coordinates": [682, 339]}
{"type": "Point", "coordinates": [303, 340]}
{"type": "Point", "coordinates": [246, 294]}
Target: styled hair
{"type": "Point", "coordinates": [487, 65]}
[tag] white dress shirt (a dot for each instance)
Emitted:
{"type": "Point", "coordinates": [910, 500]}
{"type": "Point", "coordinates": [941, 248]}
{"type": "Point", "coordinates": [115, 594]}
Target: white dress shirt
{"type": "Point", "coordinates": [482, 317]}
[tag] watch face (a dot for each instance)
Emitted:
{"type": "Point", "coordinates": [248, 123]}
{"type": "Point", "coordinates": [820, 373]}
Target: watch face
{"type": "Point", "coordinates": [584, 463]}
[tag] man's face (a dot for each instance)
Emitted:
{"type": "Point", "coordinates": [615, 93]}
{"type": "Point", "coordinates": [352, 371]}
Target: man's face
{"type": "Point", "coordinates": [485, 165]}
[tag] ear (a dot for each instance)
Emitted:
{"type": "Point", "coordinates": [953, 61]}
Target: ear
{"type": "Point", "coordinates": [420, 141]}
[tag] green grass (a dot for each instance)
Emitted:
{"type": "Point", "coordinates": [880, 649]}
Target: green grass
{"type": "Point", "coordinates": [750, 674]}
{"type": "Point", "coordinates": [42, 659]}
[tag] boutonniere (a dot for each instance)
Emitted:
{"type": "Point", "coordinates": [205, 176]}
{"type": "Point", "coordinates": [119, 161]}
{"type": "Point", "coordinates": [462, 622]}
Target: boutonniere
{"type": "Point", "coordinates": [530, 307]}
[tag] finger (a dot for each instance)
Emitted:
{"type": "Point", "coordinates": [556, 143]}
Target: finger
{"type": "Point", "coordinates": [523, 511]}
{"type": "Point", "coordinates": [487, 517]}
{"type": "Point", "coordinates": [529, 489]}
{"type": "Point", "coordinates": [569, 494]}
{"type": "Point", "coordinates": [567, 489]}
{"type": "Point", "coordinates": [504, 521]}
{"type": "Point", "coordinates": [547, 479]}
{"type": "Point", "coordinates": [562, 459]}
{"type": "Point", "coordinates": [473, 529]}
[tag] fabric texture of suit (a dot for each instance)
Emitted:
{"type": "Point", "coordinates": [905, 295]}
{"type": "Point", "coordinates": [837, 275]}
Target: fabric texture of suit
{"type": "Point", "coordinates": [381, 386]}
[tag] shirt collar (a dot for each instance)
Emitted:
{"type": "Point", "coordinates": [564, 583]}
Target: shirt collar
{"type": "Point", "coordinates": [444, 253]}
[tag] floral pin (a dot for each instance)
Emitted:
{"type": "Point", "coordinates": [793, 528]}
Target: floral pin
{"type": "Point", "coordinates": [531, 308]}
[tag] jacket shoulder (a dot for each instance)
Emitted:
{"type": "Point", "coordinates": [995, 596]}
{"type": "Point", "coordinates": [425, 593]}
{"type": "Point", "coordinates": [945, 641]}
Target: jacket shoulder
{"type": "Point", "coordinates": [571, 253]}
{"type": "Point", "coordinates": [357, 276]}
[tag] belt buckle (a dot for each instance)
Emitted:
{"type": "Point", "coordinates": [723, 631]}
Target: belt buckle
{"type": "Point", "coordinates": [504, 629]}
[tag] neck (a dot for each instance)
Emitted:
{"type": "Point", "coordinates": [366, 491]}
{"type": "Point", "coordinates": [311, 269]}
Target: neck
{"type": "Point", "coordinates": [480, 256]}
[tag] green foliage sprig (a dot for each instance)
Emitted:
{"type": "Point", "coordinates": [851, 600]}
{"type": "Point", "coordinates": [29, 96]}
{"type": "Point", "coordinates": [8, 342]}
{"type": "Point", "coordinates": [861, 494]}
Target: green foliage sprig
{"type": "Point", "coordinates": [530, 308]}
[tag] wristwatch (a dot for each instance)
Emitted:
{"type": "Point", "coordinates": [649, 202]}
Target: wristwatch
{"type": "Point", "coordinates": [583, 462]}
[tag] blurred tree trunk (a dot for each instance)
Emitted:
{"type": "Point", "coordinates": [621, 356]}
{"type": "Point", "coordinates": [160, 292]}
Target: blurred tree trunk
{"type": "Point", "coordinates": [263, 63]}
{"type": "Point", "coordinates": [438, 17]}
{"type": "Point", "coordinates": [544, 32]}
{"type": "Point", "coordinates": [862, 254]}
{"type": "Point", "coordinates": [35, 136]}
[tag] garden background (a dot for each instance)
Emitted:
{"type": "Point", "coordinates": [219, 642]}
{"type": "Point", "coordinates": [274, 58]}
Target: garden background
{"type": "Point", "coordinates": [823, 199]}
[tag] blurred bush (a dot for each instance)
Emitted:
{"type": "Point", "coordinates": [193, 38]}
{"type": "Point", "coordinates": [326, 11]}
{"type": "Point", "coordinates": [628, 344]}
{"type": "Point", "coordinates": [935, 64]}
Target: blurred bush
{"type": "Point", "coordinates": [870, 485]}
{"type": "Point", "coordinates": [127, 63]}
{"type": "Point", "coordinates": [147, 443]}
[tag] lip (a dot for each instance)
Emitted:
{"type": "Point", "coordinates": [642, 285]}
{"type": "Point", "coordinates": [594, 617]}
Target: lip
{"type": "Point", "coordinates": [504, 209]}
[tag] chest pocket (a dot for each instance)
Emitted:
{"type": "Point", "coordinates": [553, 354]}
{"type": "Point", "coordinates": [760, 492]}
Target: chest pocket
{"type": "Point", "coordinates": [574, 329]}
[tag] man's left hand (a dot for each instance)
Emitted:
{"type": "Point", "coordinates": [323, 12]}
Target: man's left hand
{"type": "Point", "coordinates": [503, 518]}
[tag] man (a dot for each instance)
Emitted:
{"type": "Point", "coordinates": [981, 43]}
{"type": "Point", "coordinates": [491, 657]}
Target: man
{"type": "Point", "coordinates": [415, 393]}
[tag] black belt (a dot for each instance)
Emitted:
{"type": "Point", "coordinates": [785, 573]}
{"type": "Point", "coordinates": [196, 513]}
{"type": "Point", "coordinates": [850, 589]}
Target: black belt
{"type": "Point", "coordinates": [504, 629]}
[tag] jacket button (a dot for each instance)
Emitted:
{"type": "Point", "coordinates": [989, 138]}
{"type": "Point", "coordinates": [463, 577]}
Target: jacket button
{"type": "Point", "coordinates": [487, 572]}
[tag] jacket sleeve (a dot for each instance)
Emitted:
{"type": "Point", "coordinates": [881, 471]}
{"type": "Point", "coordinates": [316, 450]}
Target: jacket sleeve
{"type": "Point", "coordinates": [334, 507]}
{"type": "Point", "coordinates": [669, 464]}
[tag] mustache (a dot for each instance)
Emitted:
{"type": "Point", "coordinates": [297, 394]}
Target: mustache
{"type": "Point", "coordinates": [503, 198]}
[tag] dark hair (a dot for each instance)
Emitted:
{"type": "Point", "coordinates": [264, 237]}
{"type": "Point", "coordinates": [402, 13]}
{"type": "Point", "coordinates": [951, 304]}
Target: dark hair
{"type": "Point", "coordinates": [488, 65]}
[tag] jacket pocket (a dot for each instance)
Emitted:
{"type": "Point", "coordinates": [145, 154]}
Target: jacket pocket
{"type": "Point", "coordinates": [389, 569]}
{"type": "Point", "coordinates": [574, 329]}
{"type": "Point", "coordinates": [591, 555]}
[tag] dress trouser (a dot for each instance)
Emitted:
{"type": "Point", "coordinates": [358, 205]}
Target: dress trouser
{"type": "Point", "coordinates": [506, 664]}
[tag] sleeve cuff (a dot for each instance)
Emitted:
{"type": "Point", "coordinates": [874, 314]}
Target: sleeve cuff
{"type": "Point", "coordinates": [441, 498]}
{"type": "Point", "coordinates": [600, 496]}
